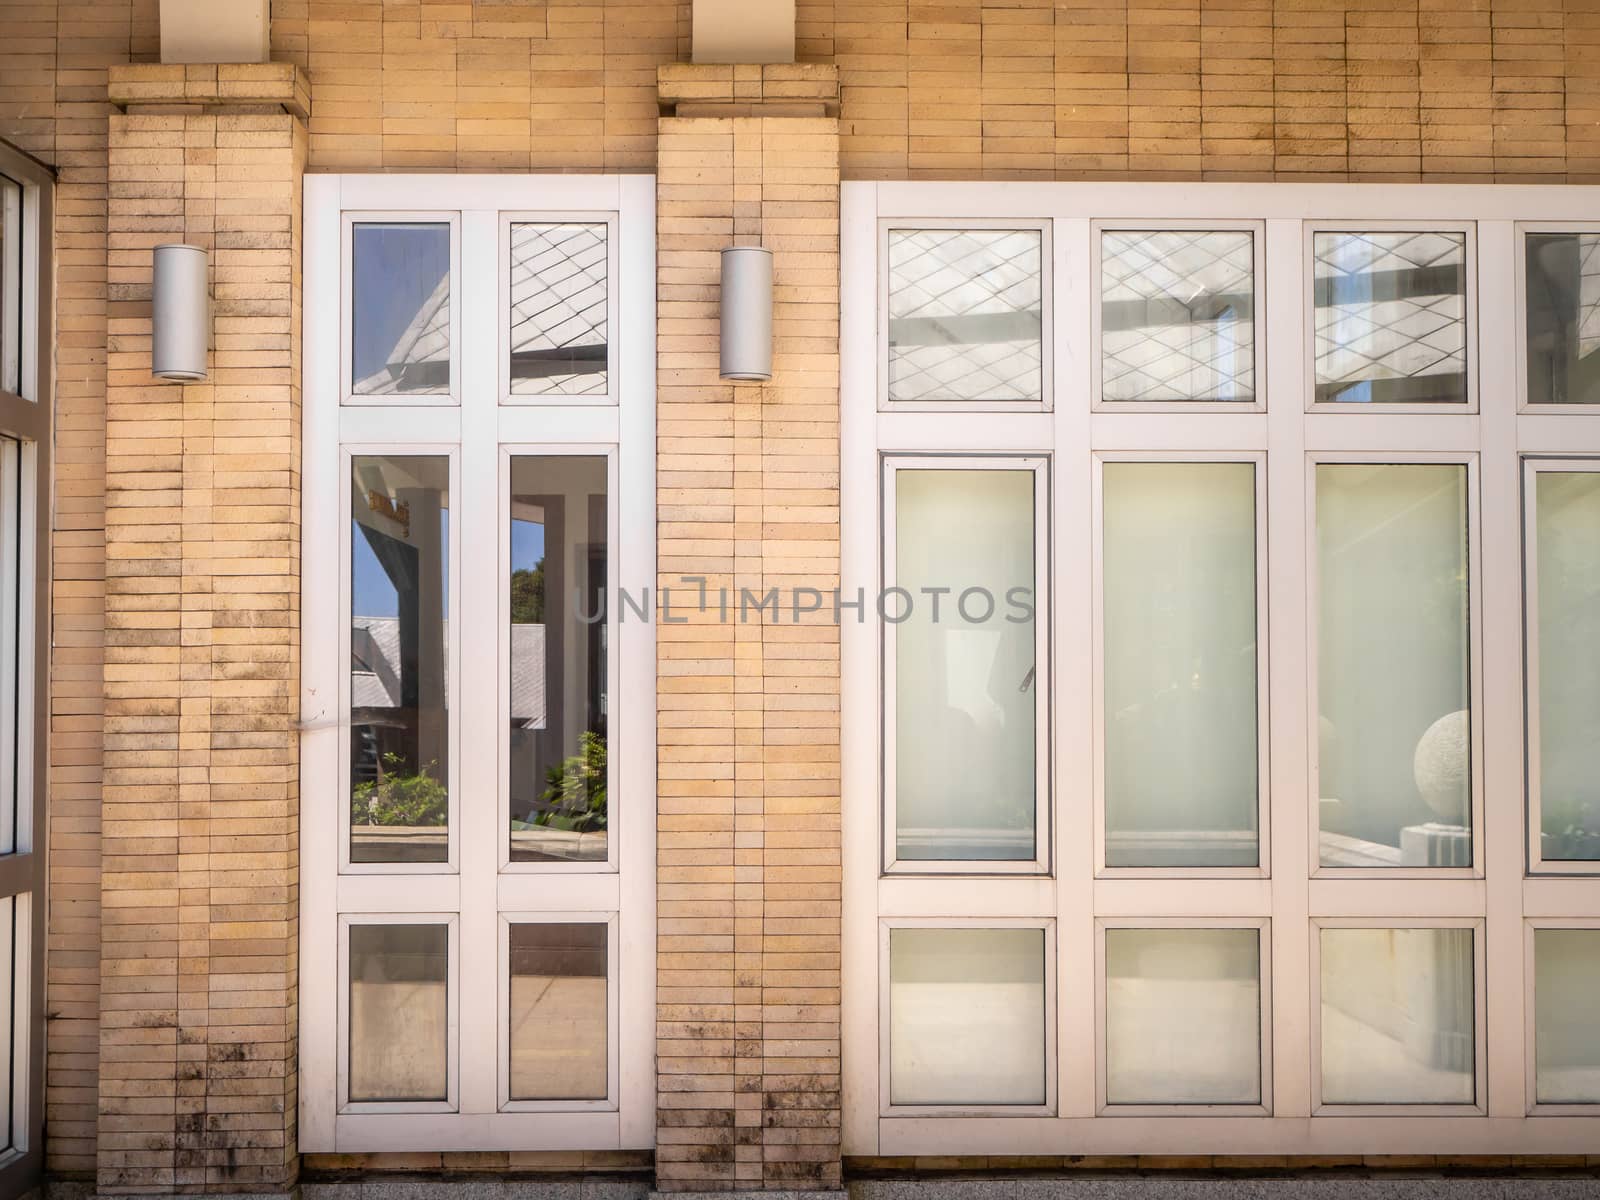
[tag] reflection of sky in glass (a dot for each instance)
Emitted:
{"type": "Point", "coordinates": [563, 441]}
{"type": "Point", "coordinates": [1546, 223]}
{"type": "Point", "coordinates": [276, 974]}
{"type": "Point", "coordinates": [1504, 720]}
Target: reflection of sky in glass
{"type": "Point", "coordinates": [397, 267]}
{"type": "Point", "coordinates": [527, 544]}
{"type": "Point", "coordinates": [372, 592]}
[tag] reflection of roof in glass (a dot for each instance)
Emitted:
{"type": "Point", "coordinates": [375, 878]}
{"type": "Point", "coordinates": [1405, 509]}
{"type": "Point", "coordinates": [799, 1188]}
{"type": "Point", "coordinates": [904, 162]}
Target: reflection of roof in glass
{"type": "Point", "coordinates": [426, 341]}
{"type": "Point", "coordinates": [375, 668]}
{"type": "Point", "coordinates": [558, 308]}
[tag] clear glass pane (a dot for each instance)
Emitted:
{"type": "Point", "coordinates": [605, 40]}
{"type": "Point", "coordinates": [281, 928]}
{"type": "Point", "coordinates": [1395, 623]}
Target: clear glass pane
{"type": "Point", "coordinates": [1567, 509]}
{"type": "Point", "coordinates": [1566, 1044]}
{"type": "Point", "coordinates": [1563, 298]}
{"type": "Point", "coordinates": [1183, 1016]}
{"type": "Point", "coordinates": [400, 309]}
{"type": "Point", "coordinates": [558, 309]}
{"type": "Point", "coordinates": [965, 698]}
{"type": "Point", "coordinates": [967, 1016]}
{"type": "Point", "coordinates": [558, 659]}
{"type": "Point", "coordinates": [1391, 317]}
{"type": "Point", "coordinates": [559, 1015]}
{"type": "Point", "coordinates": [10, 286]}
{"type": "Point", "coordinates": [1394, 726]}
{"type": "Point", "coordinates": [399, 1012]}
{"type": "Point", "coordinates": [1180, 664]}
{"type": "Point", "coordinates": [1177, 316]}
{"type": "Point", "coordinates": [16, 708]}
{"type": "Point", "coordinates": [1397, 1023]}
{"type": "Point", "coordinates": [965, 315]}
{"type": "Point", "coordinates": [14, 984]}
{"type": "Point", "coordinates": [399, 620]}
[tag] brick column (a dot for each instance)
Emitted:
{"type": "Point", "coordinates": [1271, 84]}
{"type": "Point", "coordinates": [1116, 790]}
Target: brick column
{"type": "Point", "coordinates": [200, 813]}
{"type": "Point", "coordinates": [748, 888]}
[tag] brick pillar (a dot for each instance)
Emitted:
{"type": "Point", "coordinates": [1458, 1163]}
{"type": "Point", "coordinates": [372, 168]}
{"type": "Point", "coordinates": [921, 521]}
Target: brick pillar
{"type": "Point", "coordinates": [748, 887]}
{"type": "Point", "coordinates": [201, 795]}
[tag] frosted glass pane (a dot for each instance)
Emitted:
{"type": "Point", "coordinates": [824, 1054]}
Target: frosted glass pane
{"type": "Point", "coordinates": [1394, 730]}
{"type": "Point", "coordinates": [1180, 664]}
{"type": "Point", "coordinates": [1397, 1016]}
{"type": "Point", "coordinates": [1183, 1016]}
{"type": "Point", "coordinates": [1177, 316]}
{"type": "Point", "coordinates": [399, 1012]}
{"type": "Point", "coordinates": [965, 315]}
{"type": "Point", "coordinates": [558, 309]}
{"type": "Point", "coordinates": [1391, 317]}
{"type": "Point", "coordinates": [1566, 1034]}
{"type": "Point", "coordinates": [1567, 505]}
{"type": "Point", "coordinates": [964, 680]}
{"type": "Point", "coordinates": [400, 309]}
{"type": "Point", "coordinates": [1563, 315]}
{"type": "Point", "coordinates": [558, 1011]}
{"type": "Point", "coordinates": [966, 1016]}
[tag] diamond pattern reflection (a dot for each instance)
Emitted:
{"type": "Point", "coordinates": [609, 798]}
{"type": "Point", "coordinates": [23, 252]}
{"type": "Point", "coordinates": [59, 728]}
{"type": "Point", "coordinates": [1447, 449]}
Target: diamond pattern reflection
{"type": "Point", "coordinates": [964, 315]}
{"type": "Point", "coordinates": [558, 309]}
{"type": "Point", "coordinates": [1391, 317]}
{"type": "Point", "coordinates": [1177, 316]}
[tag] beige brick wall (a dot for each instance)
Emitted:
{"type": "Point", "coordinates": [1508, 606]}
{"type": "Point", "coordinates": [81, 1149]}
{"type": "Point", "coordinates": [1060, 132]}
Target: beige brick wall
{"type": "Point", "coordinates": [1326, 89]}
{"type": "Point", "coordinates": [748, 858]}
{"type": "Point", "coordinates": [200, 797]}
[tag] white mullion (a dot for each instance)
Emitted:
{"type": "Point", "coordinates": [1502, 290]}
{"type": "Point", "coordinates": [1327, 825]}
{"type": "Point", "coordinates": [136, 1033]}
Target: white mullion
{"type": "Point", "coordinates": [480, 520]}
{"type": "Point", "coordinates": [1498, 724]}
{"type": "Point", "coordinates": [1075, 293]}
{"type": "Point", "coordinates": [1291, 711]}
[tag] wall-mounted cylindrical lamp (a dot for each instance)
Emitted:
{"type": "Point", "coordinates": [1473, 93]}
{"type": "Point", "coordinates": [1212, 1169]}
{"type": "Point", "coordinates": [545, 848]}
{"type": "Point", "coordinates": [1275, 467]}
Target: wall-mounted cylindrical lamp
{"type": "Point", "coordinates": [180, 313]}
{"type": "Point", "coordinates": [747, 313]}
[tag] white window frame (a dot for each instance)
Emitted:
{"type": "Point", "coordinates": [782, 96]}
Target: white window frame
{"type": "Point", "coordinates": [1497, 893]}
{"type": "Point", "coordinates": [385, 216]}
{"type": "Point", "coordinates": [1469, 232]}
{"type": "Point", "coordinates": [613, 1008]}
{"type": "Point", "coordinates": [1263, 868]}
{"type": "Point", "coordinates": [1523, 229]}
{"type": "Point", "coordinates": [1263, 930]}
{"type": "Point", "coordinates": [613, 365]}
{"type": "Point", "coordinates": [477, 887]}
{"type": "Point", "coordinates": [887, 1106]}
{"type": "Point", "coordinates": [1479, 1106]}
{"type": "Point", "coordinates": [1468, 463]}
{"type": "Point", "coordinates": [1039, 465]}
{"type": "Point", "coordinates": [1532, 467]}
{"type": "Point", "coordinates": [1046, 288]}
{"type": "Point", "coordinates": [1097, 400]}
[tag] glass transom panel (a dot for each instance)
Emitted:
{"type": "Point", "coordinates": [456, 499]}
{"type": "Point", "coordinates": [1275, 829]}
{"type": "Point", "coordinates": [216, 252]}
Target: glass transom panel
{"type": "Point", "coordinates": [1177, 316]}
{"type": "Point", "coordinates": [558, 309]}
{"type": "Point", "coordinates": [1391, 317]}
{"type": "Point", "coordinates": [965, 315]}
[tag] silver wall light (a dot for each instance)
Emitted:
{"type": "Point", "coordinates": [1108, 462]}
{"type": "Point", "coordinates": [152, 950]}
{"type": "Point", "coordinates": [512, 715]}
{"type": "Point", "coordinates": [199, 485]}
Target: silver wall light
{"type": "Point", "coordinates": [747, 313]}
{"type": "Point", "coordinates": [180, 313]}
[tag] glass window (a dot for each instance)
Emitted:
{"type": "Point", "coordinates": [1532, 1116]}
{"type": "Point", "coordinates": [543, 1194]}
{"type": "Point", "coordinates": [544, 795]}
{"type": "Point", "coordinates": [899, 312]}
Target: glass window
{"type": "Point", "coordinates": [1177, 316]}
{"type": "Point", "coordinates": [1183, 1016]}
{"type": "Point", "coordinates": [558, 309]}
{"type": "Point", "coordinates": [1567, 551]}
{"type": "Point", "coordinates": [1179, 622]}
{"type": "Point", "coordinates": [10, 286]}
{"type": "Point", "coordinates": [967, 1016]}
{"type": "Point", "coordinates": [1566, 1037]}
{"type": "Point", "coordinates": [399, 1011]}
{"type": "Point", "coordinates": [400, 309]}
{"type": "Point", "coordinates": [14, 711]}
{"type": "Point", "coordinates": [965, 318]}
{"type": "Point", "coordinates": [966, 779]}
{"type": "Point", "coordinates": [559, 1014]}
{"type": "Point", "coordinates": [1394, 726]}
{"type": "Point", "coordinates": [1397, 1016]}
{"type": "Point", "coordinates": [399, 618]}
{"type": "Point", "coordinates": [1562, 282]}
{"type": "Point", "coordinates": [1391, 317]}
{"type": "Point", "coordinates": [558, 659]}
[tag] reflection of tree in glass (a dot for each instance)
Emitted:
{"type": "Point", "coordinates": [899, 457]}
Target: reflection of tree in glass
{"type": "Point", "coordinates": [399, 798]}
{"type": "Point", "coordinates": [576, 790]}
{"type": "Point", "coordinates": [527, 595]}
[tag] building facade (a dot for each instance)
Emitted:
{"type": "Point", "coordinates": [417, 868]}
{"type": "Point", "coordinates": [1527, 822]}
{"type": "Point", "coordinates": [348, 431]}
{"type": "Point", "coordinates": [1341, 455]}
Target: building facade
{"type": "Point", "coordinates": [1119, 692]}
